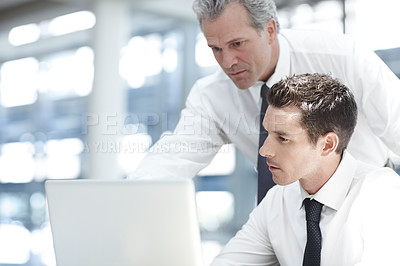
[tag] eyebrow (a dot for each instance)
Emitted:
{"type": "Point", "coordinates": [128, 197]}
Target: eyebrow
{"type": "Point", "coordinates": [278, 132]}
{"type": "Point", "coordinates": [281, 133]}
{"type": "Point", "coordinates": [238, 39]}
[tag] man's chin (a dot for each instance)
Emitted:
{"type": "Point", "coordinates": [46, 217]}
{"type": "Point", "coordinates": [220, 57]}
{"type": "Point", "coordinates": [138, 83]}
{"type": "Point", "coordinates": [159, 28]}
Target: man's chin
{"type": "Point", "coordinates": [241, 84]}
{"type": "Point", "coordinates": [282, 181]}
{"type": "Point", "coordinates": [241, 81]}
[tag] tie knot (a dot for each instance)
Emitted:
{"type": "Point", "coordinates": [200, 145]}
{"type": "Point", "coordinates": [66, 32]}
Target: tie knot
{"type": "Point", "coordinates": [264, 90]}
{"type": "Point", "coordinates": [313, 210]}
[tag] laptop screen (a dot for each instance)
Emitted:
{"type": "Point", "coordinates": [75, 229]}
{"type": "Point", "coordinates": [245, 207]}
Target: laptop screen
{"type": "Point", "coordinates": [124, 222]}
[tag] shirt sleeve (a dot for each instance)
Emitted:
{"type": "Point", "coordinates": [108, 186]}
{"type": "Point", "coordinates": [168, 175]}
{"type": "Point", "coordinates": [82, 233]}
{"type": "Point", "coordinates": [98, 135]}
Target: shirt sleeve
{"type": "Point", "coordinates": [251, 246]}
{"type": "Point", "coordinates": [191, 147]}
{"type": "Point", "coordinates": [380, 97]}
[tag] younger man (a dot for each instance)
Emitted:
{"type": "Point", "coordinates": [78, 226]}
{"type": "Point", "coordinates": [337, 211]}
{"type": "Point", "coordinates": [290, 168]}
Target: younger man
{"type": "Point", "coordinates": [310, 120]}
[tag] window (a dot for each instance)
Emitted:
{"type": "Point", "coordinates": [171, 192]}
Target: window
{"type": "Point", "coordinates": [18, 82]}
{"type": "Point", "coordinates": [61, 25]}
{"type": "Point", "coordinates": [204, 55]}
{"type": "Point", "coordinates": [73, 22]}
{"type": "Point", "coordinates": [17, 164]}
{"type": "Point", "coordinates": [323, 15]}
{"type": "Point", "coordinates": [142, 59]}
{"type": "Point", "coordinates": [376, 26]}
{"type": "Point", "coordinates": [62, 158]}
{"type": "Point", "coordinates": [24, 34]}
{"type": "Point", "coordinates": [67, 74]}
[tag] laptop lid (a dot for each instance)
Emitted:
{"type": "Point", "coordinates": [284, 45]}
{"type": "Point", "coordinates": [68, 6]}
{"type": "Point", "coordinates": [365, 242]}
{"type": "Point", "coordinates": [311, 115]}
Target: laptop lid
{"type": "Point", "coordinates": [124, 222]}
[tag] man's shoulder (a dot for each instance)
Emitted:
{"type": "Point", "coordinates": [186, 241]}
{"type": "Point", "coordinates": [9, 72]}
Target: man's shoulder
{"type": "Point", "coordinates": [211, 92]}
{"type": "Point", "coordinates": [381, 175]}
{"type": "Point", "coordinates": [295, 34]}
{"type": "Point", "coordinates": [213, 88]}
{"type": "Point", "coordinates": [218, 78]}
{"type": "Point", "coordinates": [374, 179]}
{"type": "Point", "coordinates": [380, 187]}
{"type": "Point", "coordinates": [317, 41]}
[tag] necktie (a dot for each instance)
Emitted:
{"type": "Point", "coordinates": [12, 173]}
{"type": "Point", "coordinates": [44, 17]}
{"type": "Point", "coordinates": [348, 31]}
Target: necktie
{"type": "Point", "coordinates": [312, 253]}
{"type": "Point", "coordinates": [265, 181]}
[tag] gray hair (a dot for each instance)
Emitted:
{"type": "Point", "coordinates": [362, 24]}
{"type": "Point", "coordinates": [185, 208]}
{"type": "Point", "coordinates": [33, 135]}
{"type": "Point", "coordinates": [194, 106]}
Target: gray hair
{"type": "Point", "coordinates": [260, 11]}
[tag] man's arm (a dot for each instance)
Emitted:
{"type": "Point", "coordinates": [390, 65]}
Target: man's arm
{"type": "Point", "coordinates": [380, 98]}
{"type": "Point", "coordinates": [251, 245]}
{"type": "Point", "coordinates": [192, 146]}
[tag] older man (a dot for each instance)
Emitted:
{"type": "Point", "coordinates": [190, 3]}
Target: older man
{"type": "Point", "coordinates": [251, 51]}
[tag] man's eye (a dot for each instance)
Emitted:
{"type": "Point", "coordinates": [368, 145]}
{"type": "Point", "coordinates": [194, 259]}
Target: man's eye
{"type": "Point", "coordinates": [283, 139]}
{"type": "Point", "coordinates": [215, 49]}
{"type": "Point", "coordinates": [237, 44]}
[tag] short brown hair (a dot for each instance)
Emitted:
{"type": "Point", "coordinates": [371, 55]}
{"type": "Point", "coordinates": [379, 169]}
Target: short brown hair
{"type": "Point", "coordinates": [326, 104]}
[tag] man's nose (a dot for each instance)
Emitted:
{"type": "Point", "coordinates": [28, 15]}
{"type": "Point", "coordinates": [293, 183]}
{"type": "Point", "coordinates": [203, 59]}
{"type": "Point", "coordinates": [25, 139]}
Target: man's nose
{"type": "Point", "coordinates": [266, 149]}
{"type": "Point", "coordinates": [228, 59]}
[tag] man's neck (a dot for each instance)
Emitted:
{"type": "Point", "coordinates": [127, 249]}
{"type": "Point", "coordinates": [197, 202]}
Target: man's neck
{"type": "Point", "coordinates": [328, 168]}
{"type": "Point", "coordinates": [273, 62]}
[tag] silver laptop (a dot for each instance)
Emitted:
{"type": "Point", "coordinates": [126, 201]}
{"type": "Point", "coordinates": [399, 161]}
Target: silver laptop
{"type": "Point", "coordinates": [124, 222]}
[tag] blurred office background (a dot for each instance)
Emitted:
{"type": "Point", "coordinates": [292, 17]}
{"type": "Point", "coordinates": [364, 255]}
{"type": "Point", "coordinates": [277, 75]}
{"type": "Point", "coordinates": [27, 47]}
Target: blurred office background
{"type": "Point", "coordinates": [87, 86]}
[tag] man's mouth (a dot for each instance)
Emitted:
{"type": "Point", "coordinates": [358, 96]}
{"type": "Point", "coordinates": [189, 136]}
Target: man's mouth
{"type": "Point", "coordinates": [273, 167]}
{"type": "Point", "coordinates": [237, 73]}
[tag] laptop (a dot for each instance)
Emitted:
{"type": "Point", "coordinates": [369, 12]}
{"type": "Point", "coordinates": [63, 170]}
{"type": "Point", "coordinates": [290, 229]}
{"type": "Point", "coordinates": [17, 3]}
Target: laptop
{"type": "Point", "coordinates": [124, 222]}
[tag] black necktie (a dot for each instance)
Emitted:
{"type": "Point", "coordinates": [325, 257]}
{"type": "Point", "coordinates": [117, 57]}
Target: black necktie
{"type": "Point", "coordinates": [265, 181]}
{"type": "Point", "coordinates": [312, 253]}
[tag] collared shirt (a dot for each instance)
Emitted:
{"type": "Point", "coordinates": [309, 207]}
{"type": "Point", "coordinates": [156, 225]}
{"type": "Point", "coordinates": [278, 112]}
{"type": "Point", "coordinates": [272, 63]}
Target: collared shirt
{"type": "Point", "coordinates": [359, 222]}
{"type": "Point", "coordinates": [217, 112]}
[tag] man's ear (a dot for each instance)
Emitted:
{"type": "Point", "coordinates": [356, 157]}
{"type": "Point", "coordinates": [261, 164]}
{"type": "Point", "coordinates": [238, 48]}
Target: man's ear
{"type": "Point", "coordinates": [330, 142]}
{"type": "Point", "coordinates": [270, 31]}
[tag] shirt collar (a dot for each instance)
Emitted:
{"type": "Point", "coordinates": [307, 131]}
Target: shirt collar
{"type": "Point", "coordinates": [255, 92]}
{"type": "Point", "coordinates": [282, 69]}
{"type": "Point", "coordinates": [334, 192]}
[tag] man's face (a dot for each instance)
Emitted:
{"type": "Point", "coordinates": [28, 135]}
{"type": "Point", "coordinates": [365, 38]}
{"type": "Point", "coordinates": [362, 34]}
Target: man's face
{"type": "Point", "coordinates": [289, 153]}
{"type": "Point", "coordinates": [245, 54]}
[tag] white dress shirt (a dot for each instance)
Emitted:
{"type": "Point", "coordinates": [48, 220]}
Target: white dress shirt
{"type": "Point", "coordinates": [359, 222]}
{"type": "Point", "coordinates": [218, 113]}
